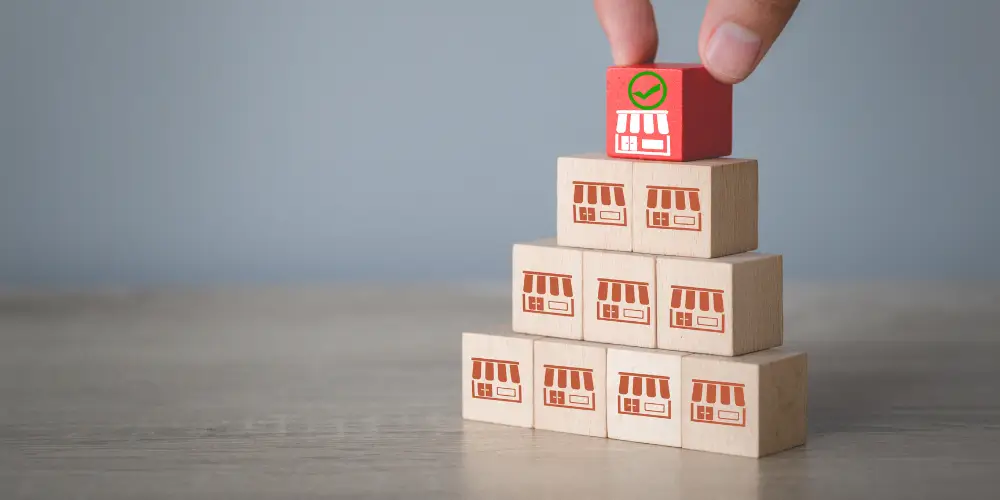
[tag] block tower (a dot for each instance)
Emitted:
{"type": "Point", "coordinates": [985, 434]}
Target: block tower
{"type": "Point", "coordinates": [650, 317]}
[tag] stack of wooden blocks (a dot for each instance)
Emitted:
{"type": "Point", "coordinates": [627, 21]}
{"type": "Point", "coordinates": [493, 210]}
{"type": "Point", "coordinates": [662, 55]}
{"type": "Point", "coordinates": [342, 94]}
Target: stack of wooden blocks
{"type": "Point", "coordinates": [650, 317]}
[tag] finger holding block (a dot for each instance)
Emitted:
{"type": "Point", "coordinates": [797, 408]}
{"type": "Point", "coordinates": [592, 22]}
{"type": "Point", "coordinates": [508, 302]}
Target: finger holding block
{"type": "Point", "coordinates": [726, 306]}
{"type": "Point", "coordinates": [752, 406]}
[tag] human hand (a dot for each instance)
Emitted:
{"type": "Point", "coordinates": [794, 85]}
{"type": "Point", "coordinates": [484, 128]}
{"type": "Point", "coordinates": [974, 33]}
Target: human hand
{"type": "Point", "coordinates": [735, 34]}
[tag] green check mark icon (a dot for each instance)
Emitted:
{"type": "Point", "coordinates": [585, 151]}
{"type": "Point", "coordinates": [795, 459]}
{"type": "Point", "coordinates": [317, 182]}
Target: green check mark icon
{"type": "Point", "coordinates": [651, 91]}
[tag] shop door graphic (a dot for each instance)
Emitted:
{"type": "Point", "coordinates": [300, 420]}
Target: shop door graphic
{"type": "Point", "coordinates": [547, 293]}
{"type": "Point", "coordinates": [721, 403]}
{"type": "Point", "coordinates": [599, 203]}
{"type": "Point", "coordinates": [673, 208]}
{"type": "Point", "coordinates": [644, 395]}
{"type": "Point", "coordinates": [697, 309]}
{"type": "Point", "coordinates": [569, 387]}
{"type": "Point", "coordinates": [496, 380]}
{"type": "Point", "coordinates": [623, 301]}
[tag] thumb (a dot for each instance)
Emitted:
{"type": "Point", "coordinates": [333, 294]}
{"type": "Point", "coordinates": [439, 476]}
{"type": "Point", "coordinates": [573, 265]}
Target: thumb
{"type": "Point", "coordinates": [736, 34]}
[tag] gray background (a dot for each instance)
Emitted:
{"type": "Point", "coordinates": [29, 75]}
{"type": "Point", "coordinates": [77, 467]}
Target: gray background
{"type": "Point", "coordinates": [193, 141]}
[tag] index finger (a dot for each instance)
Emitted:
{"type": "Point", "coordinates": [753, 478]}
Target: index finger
{"type": "Point", "coordinates": [631, 30]}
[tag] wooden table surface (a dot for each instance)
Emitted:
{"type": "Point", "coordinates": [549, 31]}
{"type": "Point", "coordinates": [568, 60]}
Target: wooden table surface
{"type": "Point", "coordinates": [354, 392]}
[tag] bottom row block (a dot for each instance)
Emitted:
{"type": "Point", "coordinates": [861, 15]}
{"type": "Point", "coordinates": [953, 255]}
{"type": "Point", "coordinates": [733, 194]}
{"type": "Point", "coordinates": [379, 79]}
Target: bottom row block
{"type": "Point", "coordinates": [752, 405]}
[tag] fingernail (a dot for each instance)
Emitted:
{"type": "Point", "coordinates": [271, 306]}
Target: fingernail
{"type": "Point", "coordinates": [732, 51]}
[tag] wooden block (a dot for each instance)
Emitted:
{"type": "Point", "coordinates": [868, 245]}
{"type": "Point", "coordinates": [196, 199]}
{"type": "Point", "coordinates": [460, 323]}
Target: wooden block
{"type": "Point", "coordinates": [619, 298]}
{"type": "Point", "coordinates": [497, 377]}
{"type": "Point", "coordinates": [726, 306]}
{"type": "Point", "coordinates": [547, 289]}
{"type": "Point", "coordinates": [674, 112]}
{"type": "Point", "coordinates": [593, 198]}
{"type": "Point", "coordinates": [752, 406]}
{"type": "Point", "coordinates": [570, 390]}
{"type": "Point", "coordinates": [644, 395]}
{"type": "Point", "coordinates": [705, 208]}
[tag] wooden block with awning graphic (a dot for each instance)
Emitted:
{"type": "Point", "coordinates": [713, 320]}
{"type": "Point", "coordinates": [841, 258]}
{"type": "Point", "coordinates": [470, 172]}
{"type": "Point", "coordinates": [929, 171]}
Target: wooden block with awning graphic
{"type": "Point", "coordinates": [644, 403]}
{"type": "Point", "coordinates": [620, 291]}
{"type": "Point", "coordinates": [546, 287]}
{"type": "Point", "coordinates": [674, 112]}
{"type": "Point", "coordinates": [497, 377]}
{"type": "Point", "coordinates": [571, 390]}
{"type": "Point", "coordinates": [727, 306]}
{"type": "Point", "coordinates": [593, 202]}
{"type": "Point", "coordinates": [752, 405]}
{"type": "Point", "coordinates": [703, 209]}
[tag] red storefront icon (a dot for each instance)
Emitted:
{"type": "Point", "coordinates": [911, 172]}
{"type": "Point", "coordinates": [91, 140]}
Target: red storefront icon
{"type": "Point", "coordinates": [644, 395]}
{"type": "Point", "coordinates": [623, 301]}
{"type": "Point", "coordinates": [547, 293]}
{"type": "Point", "coordinates": [698, 309]}
{"type": "Point", "coordinates": [673, 208]}
{"type": "Point", "coordinates": [496, 380]}
{"type": "Point", "coordinates": [599, 203]}
{"type": "Point", "coordinates": [721, 403]}
{"type": "Point", "coordinates": [569, 387]}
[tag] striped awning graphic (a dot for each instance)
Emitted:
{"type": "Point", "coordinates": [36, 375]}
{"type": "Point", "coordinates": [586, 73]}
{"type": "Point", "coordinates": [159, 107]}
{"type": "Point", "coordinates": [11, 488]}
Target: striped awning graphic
{"type": "Point", "coordinates": [623, 291]}
{"type": "Point", "coordinates": [650, 386]}
{"type": "Point", "coordinates": [648, 122]}
{"type": "Point", "coordinates": [495, 369]}
{"type": "Point", "coordinates": [692, 298]}
{"type": "Point", "coordinates": [598, 192]}
{"type": "Point", "coordinates": [548, 284]}
{"type": "Point", "coordinates": [669, 198]}
{"type": "Point", "coordinates": [718, 392]}
{"type": "Point", "coordinates": [565, 376]}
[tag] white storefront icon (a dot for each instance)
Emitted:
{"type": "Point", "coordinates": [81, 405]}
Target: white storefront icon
{"type": "Point", "coordinates": [642, 133]}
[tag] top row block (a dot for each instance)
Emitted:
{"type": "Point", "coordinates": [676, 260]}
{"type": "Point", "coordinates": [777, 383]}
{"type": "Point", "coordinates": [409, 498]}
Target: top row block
{"type": "Point", "coordinates": [669, 112]}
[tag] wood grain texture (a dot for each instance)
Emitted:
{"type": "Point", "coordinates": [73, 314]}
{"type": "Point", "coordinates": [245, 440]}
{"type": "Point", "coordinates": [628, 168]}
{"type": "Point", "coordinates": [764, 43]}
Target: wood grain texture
{"type": "Point", "coordinates": [497, 375]}
{"type": "Point", "coordinates": [327, 393]}
{"type": "Point", "coordinates": [639, 375]}
{"type": "Point", "coordinates": [542, 303]}
{"type": "Point", "coordinates": [570, 393]}
{"type": "Point", "coordinates": [608, 226]}
{"type": "Point", "coordinates": [750, 406]}
{"type": "Point", "coordinates": [725, 306]}
{"type": "Point", "coordinates": [616, 285]}
{"type": "Point", "coordinates": [702, 209]}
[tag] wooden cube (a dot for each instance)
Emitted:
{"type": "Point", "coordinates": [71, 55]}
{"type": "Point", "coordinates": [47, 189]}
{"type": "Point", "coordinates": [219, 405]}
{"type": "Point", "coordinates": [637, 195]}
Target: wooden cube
{"type": "Point", "coordinates": [704, 208]}
{"type": "Point", "coordinates": [547, 286]}
{"type": "Point", "coordinates": [726, 306]}
{"type": "Point", "coordinates": [674, 112]}
{"type": "Point", "coordinates": [570, 390]}
{"type": "Point", "coordinates": [644, 395]}
{"type": "Point", "coordinates": [752, 406]}
{"type": "Point", "coordinates": [497, 378]}
{"type": "Point", "coordinates": [619, 298]}
{"type": "Point", "coordinates": [593, 198]}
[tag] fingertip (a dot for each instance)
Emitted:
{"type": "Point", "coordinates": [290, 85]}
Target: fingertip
{"type": "Point", "coordinates": [630, 27]}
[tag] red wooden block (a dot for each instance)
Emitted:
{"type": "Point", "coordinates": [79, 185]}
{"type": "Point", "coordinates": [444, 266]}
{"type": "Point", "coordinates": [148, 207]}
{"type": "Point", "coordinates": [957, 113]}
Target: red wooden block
{"type": "Point", "coordinates": [672, 112]}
